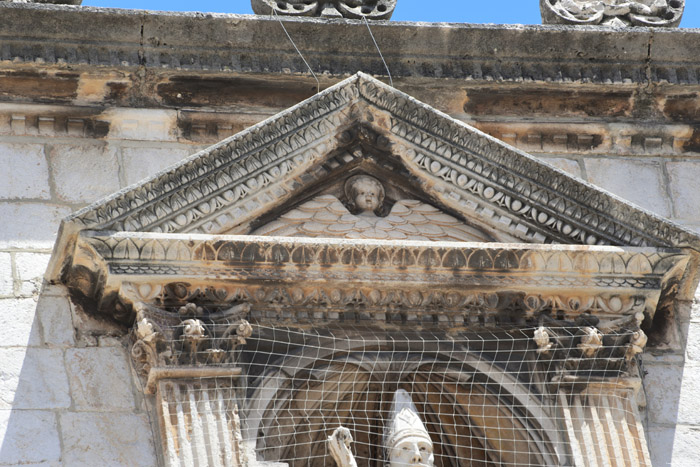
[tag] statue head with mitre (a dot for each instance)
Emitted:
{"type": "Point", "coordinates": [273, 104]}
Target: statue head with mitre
{"type": "Point", "coordinates": [406, 440]}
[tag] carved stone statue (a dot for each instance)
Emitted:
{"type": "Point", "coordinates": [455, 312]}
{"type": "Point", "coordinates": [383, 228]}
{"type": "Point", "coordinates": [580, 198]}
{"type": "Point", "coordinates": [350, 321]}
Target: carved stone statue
{"type": "Point", "coordinates": [357, 9]}
{"type": "Point", "coordinates": [325, 216]}
{"type": "Point", "coordinates": [591, 341]}
{"type": "Point", "coordinates": [339, 447]}
{"type": "Point", "coordinates": [406, 440]}
{"type": "Point", "coordinates": [543, 340]}
{"type": "Point", "coordinates": [616, 13]}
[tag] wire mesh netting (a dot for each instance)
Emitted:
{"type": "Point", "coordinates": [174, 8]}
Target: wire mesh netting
{"type": "Point", "coordinates": [487, 397]}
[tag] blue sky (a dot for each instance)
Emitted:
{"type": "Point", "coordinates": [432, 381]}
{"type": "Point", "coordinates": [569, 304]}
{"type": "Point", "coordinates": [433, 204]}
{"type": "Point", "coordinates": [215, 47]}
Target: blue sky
{"type": "Point", "coordinates": [458, 11]}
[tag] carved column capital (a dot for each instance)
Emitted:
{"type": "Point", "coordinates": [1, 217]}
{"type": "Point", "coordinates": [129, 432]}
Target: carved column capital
{"type": "Point", "coordinates": [187, 340]}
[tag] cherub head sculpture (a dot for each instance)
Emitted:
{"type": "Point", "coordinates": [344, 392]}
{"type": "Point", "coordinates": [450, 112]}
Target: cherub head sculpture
{"type": "Point", "coordinates": [365, 194]}
{"type": "Point", "coordinates": [406, 441]}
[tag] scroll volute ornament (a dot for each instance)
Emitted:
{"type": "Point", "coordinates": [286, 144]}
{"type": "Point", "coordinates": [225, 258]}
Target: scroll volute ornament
{"type": "Point", "coordinates": [616, 13]}
{"type": "Point", "coordinates": [355, 9]}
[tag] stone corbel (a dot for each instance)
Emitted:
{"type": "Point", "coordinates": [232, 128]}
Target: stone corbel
{"type": "Point", "coordinates": [577, 353]}
{"type": "Point", "coordinates": [188, 342]}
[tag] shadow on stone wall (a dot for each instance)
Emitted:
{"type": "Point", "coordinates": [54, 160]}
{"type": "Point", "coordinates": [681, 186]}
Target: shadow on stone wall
{"type": "Point", "coordinates": [66, 401]}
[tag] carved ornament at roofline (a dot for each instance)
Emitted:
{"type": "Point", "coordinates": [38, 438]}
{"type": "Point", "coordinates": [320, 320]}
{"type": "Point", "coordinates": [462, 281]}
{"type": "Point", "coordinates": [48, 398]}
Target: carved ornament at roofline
{"type": "Point", "coordinates": [354, 9]}
{"type": "Point", "coordinates": [615, 13]}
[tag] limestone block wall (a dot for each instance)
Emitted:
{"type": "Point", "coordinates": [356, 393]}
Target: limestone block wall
{"type": "Point", "coordinates": [67, 397]}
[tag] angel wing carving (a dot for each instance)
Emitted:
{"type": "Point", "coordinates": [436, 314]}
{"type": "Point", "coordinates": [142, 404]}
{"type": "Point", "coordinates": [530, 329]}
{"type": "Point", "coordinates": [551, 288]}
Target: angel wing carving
{"type": "Point", "coordinates": [325, 216]}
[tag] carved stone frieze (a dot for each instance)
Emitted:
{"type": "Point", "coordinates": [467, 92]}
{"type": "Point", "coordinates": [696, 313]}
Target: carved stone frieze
{"type": "Point", "coordinates": [617, 13]}
{"type": "Point", "coordinates": [302, 280]}
{"type": "Point", "coordinates": [401, 306]}
{"type": "Point", "coordinates": [370, 9]}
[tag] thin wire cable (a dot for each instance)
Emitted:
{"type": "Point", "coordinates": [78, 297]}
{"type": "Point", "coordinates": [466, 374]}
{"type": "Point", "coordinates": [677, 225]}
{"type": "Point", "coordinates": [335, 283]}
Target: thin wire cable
{"type": "Point", "coordinates": [391, 81]}
{"type": "Point", "coordinates": [318, 83]}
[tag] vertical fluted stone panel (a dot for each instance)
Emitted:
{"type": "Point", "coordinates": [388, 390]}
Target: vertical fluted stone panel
{"type": "Point", "coordinates": [199, 423]}
{"type": "Point", "coordinates": [604, 428]}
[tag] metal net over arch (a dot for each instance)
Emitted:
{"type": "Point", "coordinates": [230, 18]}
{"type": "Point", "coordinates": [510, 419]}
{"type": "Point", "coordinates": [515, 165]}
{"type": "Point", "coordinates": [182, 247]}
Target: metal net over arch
{"type": "Point", "coordinates": [486, 397]}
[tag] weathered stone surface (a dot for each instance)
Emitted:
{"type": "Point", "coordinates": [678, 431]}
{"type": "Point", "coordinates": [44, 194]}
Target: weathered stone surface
{"type": "Point", "coordinates": [98, 175]}
{"type": "Point", "coordinates": [683, 180]}
{"type": "Point", "coordinates": [33, 224]}
{"type": "Point", "coordinates": [481, 52]}
{"type": "Point", "coordinates": [567, 165]}
{"type": "Point", "coordinates": [142, 124]}
{"type": "Point", "coordinates": [100, 379]}
{"type": "Point", "coordinates": [25, 172]}
{"type": "Point", "coordinates": [20, 327]}
{"type": "Point", "coordinates": [33, 378]}
{"type": "Point", "coordinates": [677, 447]}
{"type": "Point", "coordinates": [139, 163]}
{"type": "Point", "coordinates": [113, 439]}
{"type": "Point", "coordinates": [693, 343]}
{"type": "Point", "coordinates": [6, 275]}
{"type": "Point", "coordinates": [662, 384]}
{"type": "Point", "coordinates": [29, 437]}
{"type": "Point", "coordinates": [55, 317]}
{"type": "Point", "coordinates": [639, 182]}
{"type": "Point", "coordinates": [30, 271]}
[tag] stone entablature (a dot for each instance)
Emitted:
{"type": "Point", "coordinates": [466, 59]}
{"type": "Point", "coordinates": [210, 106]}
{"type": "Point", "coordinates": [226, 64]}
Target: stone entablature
{"type": "Point", "coordinates": [175, 43]}
{"type": "Point", "coordinates": [321, 278]}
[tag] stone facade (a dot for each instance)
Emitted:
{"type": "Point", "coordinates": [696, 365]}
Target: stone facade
{"type": "Point", "coordinates": [134, 105]}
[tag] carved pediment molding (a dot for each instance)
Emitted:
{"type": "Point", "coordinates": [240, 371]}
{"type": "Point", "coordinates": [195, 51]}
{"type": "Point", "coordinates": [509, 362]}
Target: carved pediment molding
{"type": "Point", "coordinates": [243, 177]}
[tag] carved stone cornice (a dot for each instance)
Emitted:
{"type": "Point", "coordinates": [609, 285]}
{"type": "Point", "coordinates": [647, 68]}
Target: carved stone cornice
{"type": "Point", "coordinates": [480, 53]}
{"type": "Point", "coordinates": [307, 280]}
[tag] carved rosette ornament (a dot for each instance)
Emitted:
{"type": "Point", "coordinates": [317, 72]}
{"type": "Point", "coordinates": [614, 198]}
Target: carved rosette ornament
{"type": "Point", "coordinates": [616, 13]}
{"type": "Point", "coordinates": [355, 9]}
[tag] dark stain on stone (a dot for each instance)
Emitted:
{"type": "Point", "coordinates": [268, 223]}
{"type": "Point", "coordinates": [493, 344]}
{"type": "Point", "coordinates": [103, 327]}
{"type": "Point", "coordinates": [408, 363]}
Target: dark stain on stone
{"type": "Point", "coordinates": [117, 91]}
{"type": "Point", "coordinates": [194, 91]}
{"type": "Point", "coordinates": [693, 144]}
{"type": "Point", "coordinates": [682, 108]}
{"type": "Point", "coordinates": [41, 87]}
{"type": "Point", "coordinates": [97, 128]}
{"type": "Point", "coordinates": [520, 102]}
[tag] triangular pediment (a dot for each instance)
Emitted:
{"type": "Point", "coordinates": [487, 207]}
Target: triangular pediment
{"type": "Point", "coordinates": [364, 126]}
{"type": "Point", "coordinates": [441, 178]}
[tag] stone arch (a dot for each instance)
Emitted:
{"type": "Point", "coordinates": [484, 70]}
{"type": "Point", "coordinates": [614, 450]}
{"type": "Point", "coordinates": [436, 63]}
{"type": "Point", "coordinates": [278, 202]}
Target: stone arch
{"type": "Point", "coordinates": [477, 413]}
